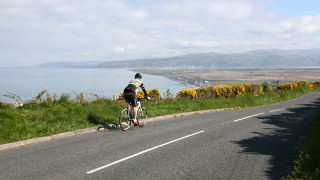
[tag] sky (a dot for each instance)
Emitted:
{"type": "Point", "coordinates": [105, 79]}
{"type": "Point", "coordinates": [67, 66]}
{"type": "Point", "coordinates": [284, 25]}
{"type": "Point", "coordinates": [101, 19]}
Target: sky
{"type": "Point", "coordinates": [33, 32]}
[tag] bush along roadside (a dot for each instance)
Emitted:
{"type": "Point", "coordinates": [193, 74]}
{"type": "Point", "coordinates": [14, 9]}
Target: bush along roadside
{"type": "Point", "coordinates": [307, 165]}
{"type": "Point", "coordinates": [48, 114]}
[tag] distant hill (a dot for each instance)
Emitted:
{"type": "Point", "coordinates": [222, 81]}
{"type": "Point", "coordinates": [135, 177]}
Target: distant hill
{"type": "Point", "coordinates": [273, 58]}
{"type": "Point", "coordinates": [66, 64]}
{"type": "Point", "coordinates": [249, 59]}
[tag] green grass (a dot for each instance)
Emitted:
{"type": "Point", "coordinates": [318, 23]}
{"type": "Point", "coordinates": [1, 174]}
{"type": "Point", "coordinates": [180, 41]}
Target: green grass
{"type": "Point", "coordinates": [308, 164]}
{"type": "Point", "coordinates": [34, 120]}
{"type": "Point", "coordinates": [164, 107]}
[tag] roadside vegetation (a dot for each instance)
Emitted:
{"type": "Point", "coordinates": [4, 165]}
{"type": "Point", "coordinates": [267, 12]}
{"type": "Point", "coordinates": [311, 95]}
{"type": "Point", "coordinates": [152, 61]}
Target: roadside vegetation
{"type": "Point", "coordinates": [48, 114]}
{"type": "Point", "coordinates": [308, 164]}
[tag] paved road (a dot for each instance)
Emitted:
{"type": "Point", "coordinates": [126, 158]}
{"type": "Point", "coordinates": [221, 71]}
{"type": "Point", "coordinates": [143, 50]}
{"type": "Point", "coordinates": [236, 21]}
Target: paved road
{"type": "Point", "coordinates": [256, 143]}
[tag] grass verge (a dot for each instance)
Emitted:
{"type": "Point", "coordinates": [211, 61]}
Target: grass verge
{"type": "Point", "coordinates": [165, 107]}
{"type": "Point", "coordinates": [36, 120]}
{"type": "Point", "coordinates": [308, 164]}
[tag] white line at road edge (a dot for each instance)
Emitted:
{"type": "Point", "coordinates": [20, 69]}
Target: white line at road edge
{"type": "Point", "coordinates": [142, 152]}
{"type": "Point", "coordinates": [278, 110]}
{"type": "Point", "coordinates": [248, 117]}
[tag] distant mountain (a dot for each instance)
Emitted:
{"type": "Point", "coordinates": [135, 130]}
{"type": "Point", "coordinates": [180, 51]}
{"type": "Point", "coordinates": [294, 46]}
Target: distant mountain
{"type": "Point", "coordinates": [250, 59]}
{"type": "Point", "coordinates": [271, 58]}
{"type": "Point", "coordinates": [66, 64]}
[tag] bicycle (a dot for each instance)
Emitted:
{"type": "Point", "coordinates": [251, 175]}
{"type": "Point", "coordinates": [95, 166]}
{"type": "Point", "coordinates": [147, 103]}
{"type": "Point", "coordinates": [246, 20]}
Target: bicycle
{"type": "Point", "coordinates": [126, 116]}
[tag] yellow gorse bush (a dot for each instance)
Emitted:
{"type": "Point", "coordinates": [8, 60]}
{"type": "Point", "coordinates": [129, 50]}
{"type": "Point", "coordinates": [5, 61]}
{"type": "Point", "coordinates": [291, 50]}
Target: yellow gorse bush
{"type": "Point", "coordinates": [227, 91]}
{"type": "Point", "coordinates": [153, 93]}
{"type": "Point", "coordinates": [261, 91]}
{"type": "Point", "coordinates": [293, 85]}
{"type": "Point", "coordinates": [315, 84]}
{"type": "Point", "coordinates": [187, 94]}
{"type": "Point", "coordinates": [311, 86]}
{"type": "Point", "coordinates": [254, 89]}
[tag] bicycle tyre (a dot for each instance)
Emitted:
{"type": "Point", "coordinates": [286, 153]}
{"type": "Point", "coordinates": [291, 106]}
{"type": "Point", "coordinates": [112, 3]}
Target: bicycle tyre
{"type": "Point", "coordinates": [142, 116]}
{"type": "Point", "coordinates": [125, 120]}
{"type": "Point", "coordinates": [102, 128]}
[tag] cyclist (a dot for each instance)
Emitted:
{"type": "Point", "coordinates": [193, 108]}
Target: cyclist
{"type": "Point", "coordinates": [130, 94]}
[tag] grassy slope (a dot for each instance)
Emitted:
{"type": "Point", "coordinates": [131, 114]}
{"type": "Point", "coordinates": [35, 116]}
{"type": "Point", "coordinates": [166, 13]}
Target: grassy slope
{"type": "Point", "coordinates": [163, 108]}
{"type": "Point", "coordinates": [32, 121]}
{"type": "Point", "coordinates": [308, 164]}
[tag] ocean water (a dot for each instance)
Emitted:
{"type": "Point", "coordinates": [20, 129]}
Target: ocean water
{"type": "Point", "coordinates": [103, 82]}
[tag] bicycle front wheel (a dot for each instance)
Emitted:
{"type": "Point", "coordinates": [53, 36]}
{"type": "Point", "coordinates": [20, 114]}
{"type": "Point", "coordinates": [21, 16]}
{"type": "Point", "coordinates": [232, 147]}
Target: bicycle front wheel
{"type": "Point", "coordinates": [124, 120]}
{"type": "Point", "coordinates": [142, 116]}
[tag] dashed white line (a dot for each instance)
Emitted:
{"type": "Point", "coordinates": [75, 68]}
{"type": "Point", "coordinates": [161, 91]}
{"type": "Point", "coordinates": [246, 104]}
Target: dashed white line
{"type": "Point", "coordinates": [142, 152]}
{"type": "Point", "coordinates": [248, 117]}
{"type": "Point", "coordinates": [278, 110]}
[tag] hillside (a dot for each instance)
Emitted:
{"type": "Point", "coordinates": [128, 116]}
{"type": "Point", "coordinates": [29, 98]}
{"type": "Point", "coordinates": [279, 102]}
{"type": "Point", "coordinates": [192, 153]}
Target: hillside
{"type": "Point", "coordinates": [66, 64]}
{"type": "Point", "coordinates": [249, 59]}
{"type": "Point", "coordinates": [303, 58]}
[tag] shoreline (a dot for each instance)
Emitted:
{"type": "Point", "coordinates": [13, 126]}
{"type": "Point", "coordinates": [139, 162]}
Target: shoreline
{"type": "Point", "coordinates": [183, 82]}
{"type": "Point", "coordinates": [73, 81]}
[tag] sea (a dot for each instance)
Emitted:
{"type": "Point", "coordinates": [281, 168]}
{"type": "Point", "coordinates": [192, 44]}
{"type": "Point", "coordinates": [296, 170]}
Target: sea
{"type": "Point", "coordinates": [28, 82]}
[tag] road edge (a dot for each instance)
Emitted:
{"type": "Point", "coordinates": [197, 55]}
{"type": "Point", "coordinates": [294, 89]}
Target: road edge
{"type": "Point", "coordinates": [38, 140]}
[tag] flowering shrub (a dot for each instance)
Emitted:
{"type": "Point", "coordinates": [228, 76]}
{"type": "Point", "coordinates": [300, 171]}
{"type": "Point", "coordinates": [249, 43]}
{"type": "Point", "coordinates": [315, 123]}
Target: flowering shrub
{"type": "Point", "coordinates": [311, 86]}
{"type": "Point", "coordinates": [261, 91]}
{"type": "Point", "coordinates": [187, 94]}
{"type": "Point", "coordinates": [302, 84]}
{"type": "Point", "coordinates": [254, 89]}
{"type": "Point", "coordinates": [140, 94]}
{"type": "Point", "coordinates": [221, 92]}
{"type": "Point", "coordinates": [315, 84]}
{"type": "Point", "coordinates": [153, 94]}
{"type": "Point", "coordinates": [239, 90]}
{"type": "Point", "coordinates": [293, 85]}
{"type": "Point", "coordinates": [206, 92]}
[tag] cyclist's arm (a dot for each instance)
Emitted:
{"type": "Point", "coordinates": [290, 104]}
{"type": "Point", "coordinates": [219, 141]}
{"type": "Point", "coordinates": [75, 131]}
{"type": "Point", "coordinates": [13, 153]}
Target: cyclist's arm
{"type": "Point", "coordinates": [144, 91]}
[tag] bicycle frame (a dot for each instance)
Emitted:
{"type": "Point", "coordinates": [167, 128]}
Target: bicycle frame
{"type": "Point", "coordinates": [129, 108]}
{"type": "Point", "coordinates": [142, 116]}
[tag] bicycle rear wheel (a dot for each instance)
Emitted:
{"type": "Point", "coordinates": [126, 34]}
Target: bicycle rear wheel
{"type": "Point", "coordinates": [142, 116]}
{"type": "Point", "coordinates": [125, 120]}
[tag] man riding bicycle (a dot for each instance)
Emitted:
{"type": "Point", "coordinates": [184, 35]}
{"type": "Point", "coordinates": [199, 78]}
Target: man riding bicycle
{"type": "Point", "coordinates": [130, 94]}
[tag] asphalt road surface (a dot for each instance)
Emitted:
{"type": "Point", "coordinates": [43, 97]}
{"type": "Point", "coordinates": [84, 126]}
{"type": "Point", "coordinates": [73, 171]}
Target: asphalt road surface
{"type": "Point", "coordinates": [255, 143]}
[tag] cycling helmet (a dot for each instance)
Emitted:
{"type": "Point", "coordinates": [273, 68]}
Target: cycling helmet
{"type": "Point", "coordinates": [138, 75]}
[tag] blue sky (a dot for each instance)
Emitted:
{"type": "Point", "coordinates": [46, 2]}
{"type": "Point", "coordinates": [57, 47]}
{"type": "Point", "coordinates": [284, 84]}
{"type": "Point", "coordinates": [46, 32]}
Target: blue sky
{"type": "Point", "coordinates": [39, 31]}
{"type": "Point", "coordinates": [296, 7]}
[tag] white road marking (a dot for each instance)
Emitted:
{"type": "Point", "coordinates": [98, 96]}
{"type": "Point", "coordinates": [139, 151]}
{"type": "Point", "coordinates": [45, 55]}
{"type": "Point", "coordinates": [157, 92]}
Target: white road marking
{"type": "Point", "coordinates": [278, 110]}
{"type": "Point", "coordinates": [142, 152]}
{"type": "Point", "coordinates": [248, 117]}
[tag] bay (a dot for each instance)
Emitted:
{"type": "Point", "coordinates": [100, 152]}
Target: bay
{"type": "Point", "coordinates": [103, 82]}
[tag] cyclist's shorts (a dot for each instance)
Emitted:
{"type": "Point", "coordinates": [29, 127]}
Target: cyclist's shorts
{"type": "Point", "coordinates": [131, 98]}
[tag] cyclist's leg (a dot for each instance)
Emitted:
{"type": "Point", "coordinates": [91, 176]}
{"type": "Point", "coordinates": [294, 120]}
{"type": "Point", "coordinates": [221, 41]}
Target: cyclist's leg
{"type": "Point", "coordinates": [135, 109]}
{"type": "Point", "coordinates": [132, 99]}
{"type": "Point", "coordinates": [134, 104]}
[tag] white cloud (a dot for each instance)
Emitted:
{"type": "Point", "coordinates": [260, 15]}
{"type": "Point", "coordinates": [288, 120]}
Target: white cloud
{"type": "Point", "coordinates": [298, 26]}
{"type": "Point", "coordinates": [113, 30]}
{"type": "Point", "coordinates": [221, 10]}
{"type": "Point", "coordinates": [119, 50]}
{"type": "Point", "coordinates": [86, 53]}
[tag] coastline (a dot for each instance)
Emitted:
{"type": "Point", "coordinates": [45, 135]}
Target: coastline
{"type": "Point", "coordinates": [28, 83]}
{"type": "Point", "coordinates": [188, 82]}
